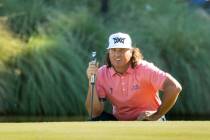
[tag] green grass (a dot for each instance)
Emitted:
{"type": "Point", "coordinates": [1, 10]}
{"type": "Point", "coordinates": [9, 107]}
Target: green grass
{"type": "Point", "coordinates": [173, 130]}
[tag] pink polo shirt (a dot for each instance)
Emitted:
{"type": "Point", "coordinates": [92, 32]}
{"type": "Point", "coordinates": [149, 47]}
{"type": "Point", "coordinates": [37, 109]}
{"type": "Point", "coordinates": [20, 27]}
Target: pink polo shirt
{"type": "Point", "coordinates": [133, 92]}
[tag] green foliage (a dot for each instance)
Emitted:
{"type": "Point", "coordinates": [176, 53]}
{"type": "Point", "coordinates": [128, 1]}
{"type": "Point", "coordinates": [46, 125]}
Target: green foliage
{"type": "Point", "coordinates": [44, 71]}
{"type": "Point", "coordinates": [9, 48]}
{"type": "Point", "coordinates": [81, 26]}
{"type": "Point", "coordinates": [50, 78]}
{"type": "Point", "coordinates": [24, 15]}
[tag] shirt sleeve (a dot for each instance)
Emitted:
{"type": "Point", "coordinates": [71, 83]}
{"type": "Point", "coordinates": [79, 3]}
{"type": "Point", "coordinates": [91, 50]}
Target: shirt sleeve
{"type": "Point", "coordinates": [156, 76]}
{"type": "Point", "coordinates": [100, 89]}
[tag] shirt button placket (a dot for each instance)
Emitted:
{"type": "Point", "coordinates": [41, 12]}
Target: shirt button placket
{"type": "Point", "coordinates": [123, 85]}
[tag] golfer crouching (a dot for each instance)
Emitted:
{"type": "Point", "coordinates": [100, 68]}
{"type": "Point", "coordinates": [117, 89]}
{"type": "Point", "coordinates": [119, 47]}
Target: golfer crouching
{"type": "Point", "coordinates": [131, 84]}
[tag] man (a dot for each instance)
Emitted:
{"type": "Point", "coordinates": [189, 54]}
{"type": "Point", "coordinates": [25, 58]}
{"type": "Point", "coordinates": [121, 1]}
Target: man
{"type": "Point", "coordinates": [131, 84]}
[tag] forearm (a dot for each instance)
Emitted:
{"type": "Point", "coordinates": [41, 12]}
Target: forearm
{"type": "Point", "coordinates": [168, 100]}
{"type": "Point", "coordinates": [97, 105]}
{"type": "Point", "coordinates": [171, 90]}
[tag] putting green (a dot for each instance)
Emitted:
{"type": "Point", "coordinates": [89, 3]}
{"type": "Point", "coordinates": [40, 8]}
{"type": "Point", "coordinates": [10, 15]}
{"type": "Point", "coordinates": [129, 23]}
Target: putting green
{"type": "Point", "coordinates": [170, 130]}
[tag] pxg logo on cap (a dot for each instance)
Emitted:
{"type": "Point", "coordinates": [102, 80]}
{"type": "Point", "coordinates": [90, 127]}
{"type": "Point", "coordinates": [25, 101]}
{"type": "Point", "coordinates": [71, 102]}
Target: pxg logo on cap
{"type": "Point", "coordinates": [119, 40]}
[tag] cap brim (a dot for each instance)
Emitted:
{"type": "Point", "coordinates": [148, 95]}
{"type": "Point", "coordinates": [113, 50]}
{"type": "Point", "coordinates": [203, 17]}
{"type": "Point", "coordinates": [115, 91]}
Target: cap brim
{"type": "Point", "coordinates": [119, 47]}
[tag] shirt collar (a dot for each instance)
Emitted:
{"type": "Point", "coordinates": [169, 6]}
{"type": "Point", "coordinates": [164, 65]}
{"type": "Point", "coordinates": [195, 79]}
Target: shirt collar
{"type": "Point", "coordinates": [113, 72]}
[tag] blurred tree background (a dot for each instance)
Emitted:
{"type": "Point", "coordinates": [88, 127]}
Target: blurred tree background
{"type": "Point", "coordinates": [45, 47]}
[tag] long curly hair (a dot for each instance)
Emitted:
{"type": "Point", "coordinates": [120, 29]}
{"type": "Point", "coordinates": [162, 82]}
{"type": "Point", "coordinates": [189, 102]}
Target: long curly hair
{"type": "Point", "coordinates": [135, 58]}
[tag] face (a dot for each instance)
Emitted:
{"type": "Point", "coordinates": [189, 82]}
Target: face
{"type": "Point", "coordinates": [120, 57]}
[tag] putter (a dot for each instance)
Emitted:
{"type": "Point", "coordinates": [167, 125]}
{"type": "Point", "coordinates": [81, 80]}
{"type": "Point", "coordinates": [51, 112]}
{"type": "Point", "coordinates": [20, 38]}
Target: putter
{"type": "Point", "coordinates": [92, 81]}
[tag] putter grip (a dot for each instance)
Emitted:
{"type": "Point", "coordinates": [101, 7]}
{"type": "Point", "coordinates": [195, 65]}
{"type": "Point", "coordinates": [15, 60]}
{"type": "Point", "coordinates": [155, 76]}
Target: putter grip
{"type": "Point", "coordinates": [92, 79]}
{"type": "Point", "coordinates": [93, 60]}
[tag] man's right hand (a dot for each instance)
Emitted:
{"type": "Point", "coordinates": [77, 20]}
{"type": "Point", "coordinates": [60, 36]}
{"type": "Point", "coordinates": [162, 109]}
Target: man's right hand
{"type": "Point", "coordinates": [98, 106]}
{"type": "Point", "coordinates": [92, 69]}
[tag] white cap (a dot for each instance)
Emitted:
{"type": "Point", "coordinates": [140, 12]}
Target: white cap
{"type": "Point", "coordinates": [119, 40]}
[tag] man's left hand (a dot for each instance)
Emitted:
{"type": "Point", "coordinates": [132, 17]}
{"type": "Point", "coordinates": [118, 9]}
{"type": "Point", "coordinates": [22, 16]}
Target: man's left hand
{"type": "Point", "coordinates": [148, 116]}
